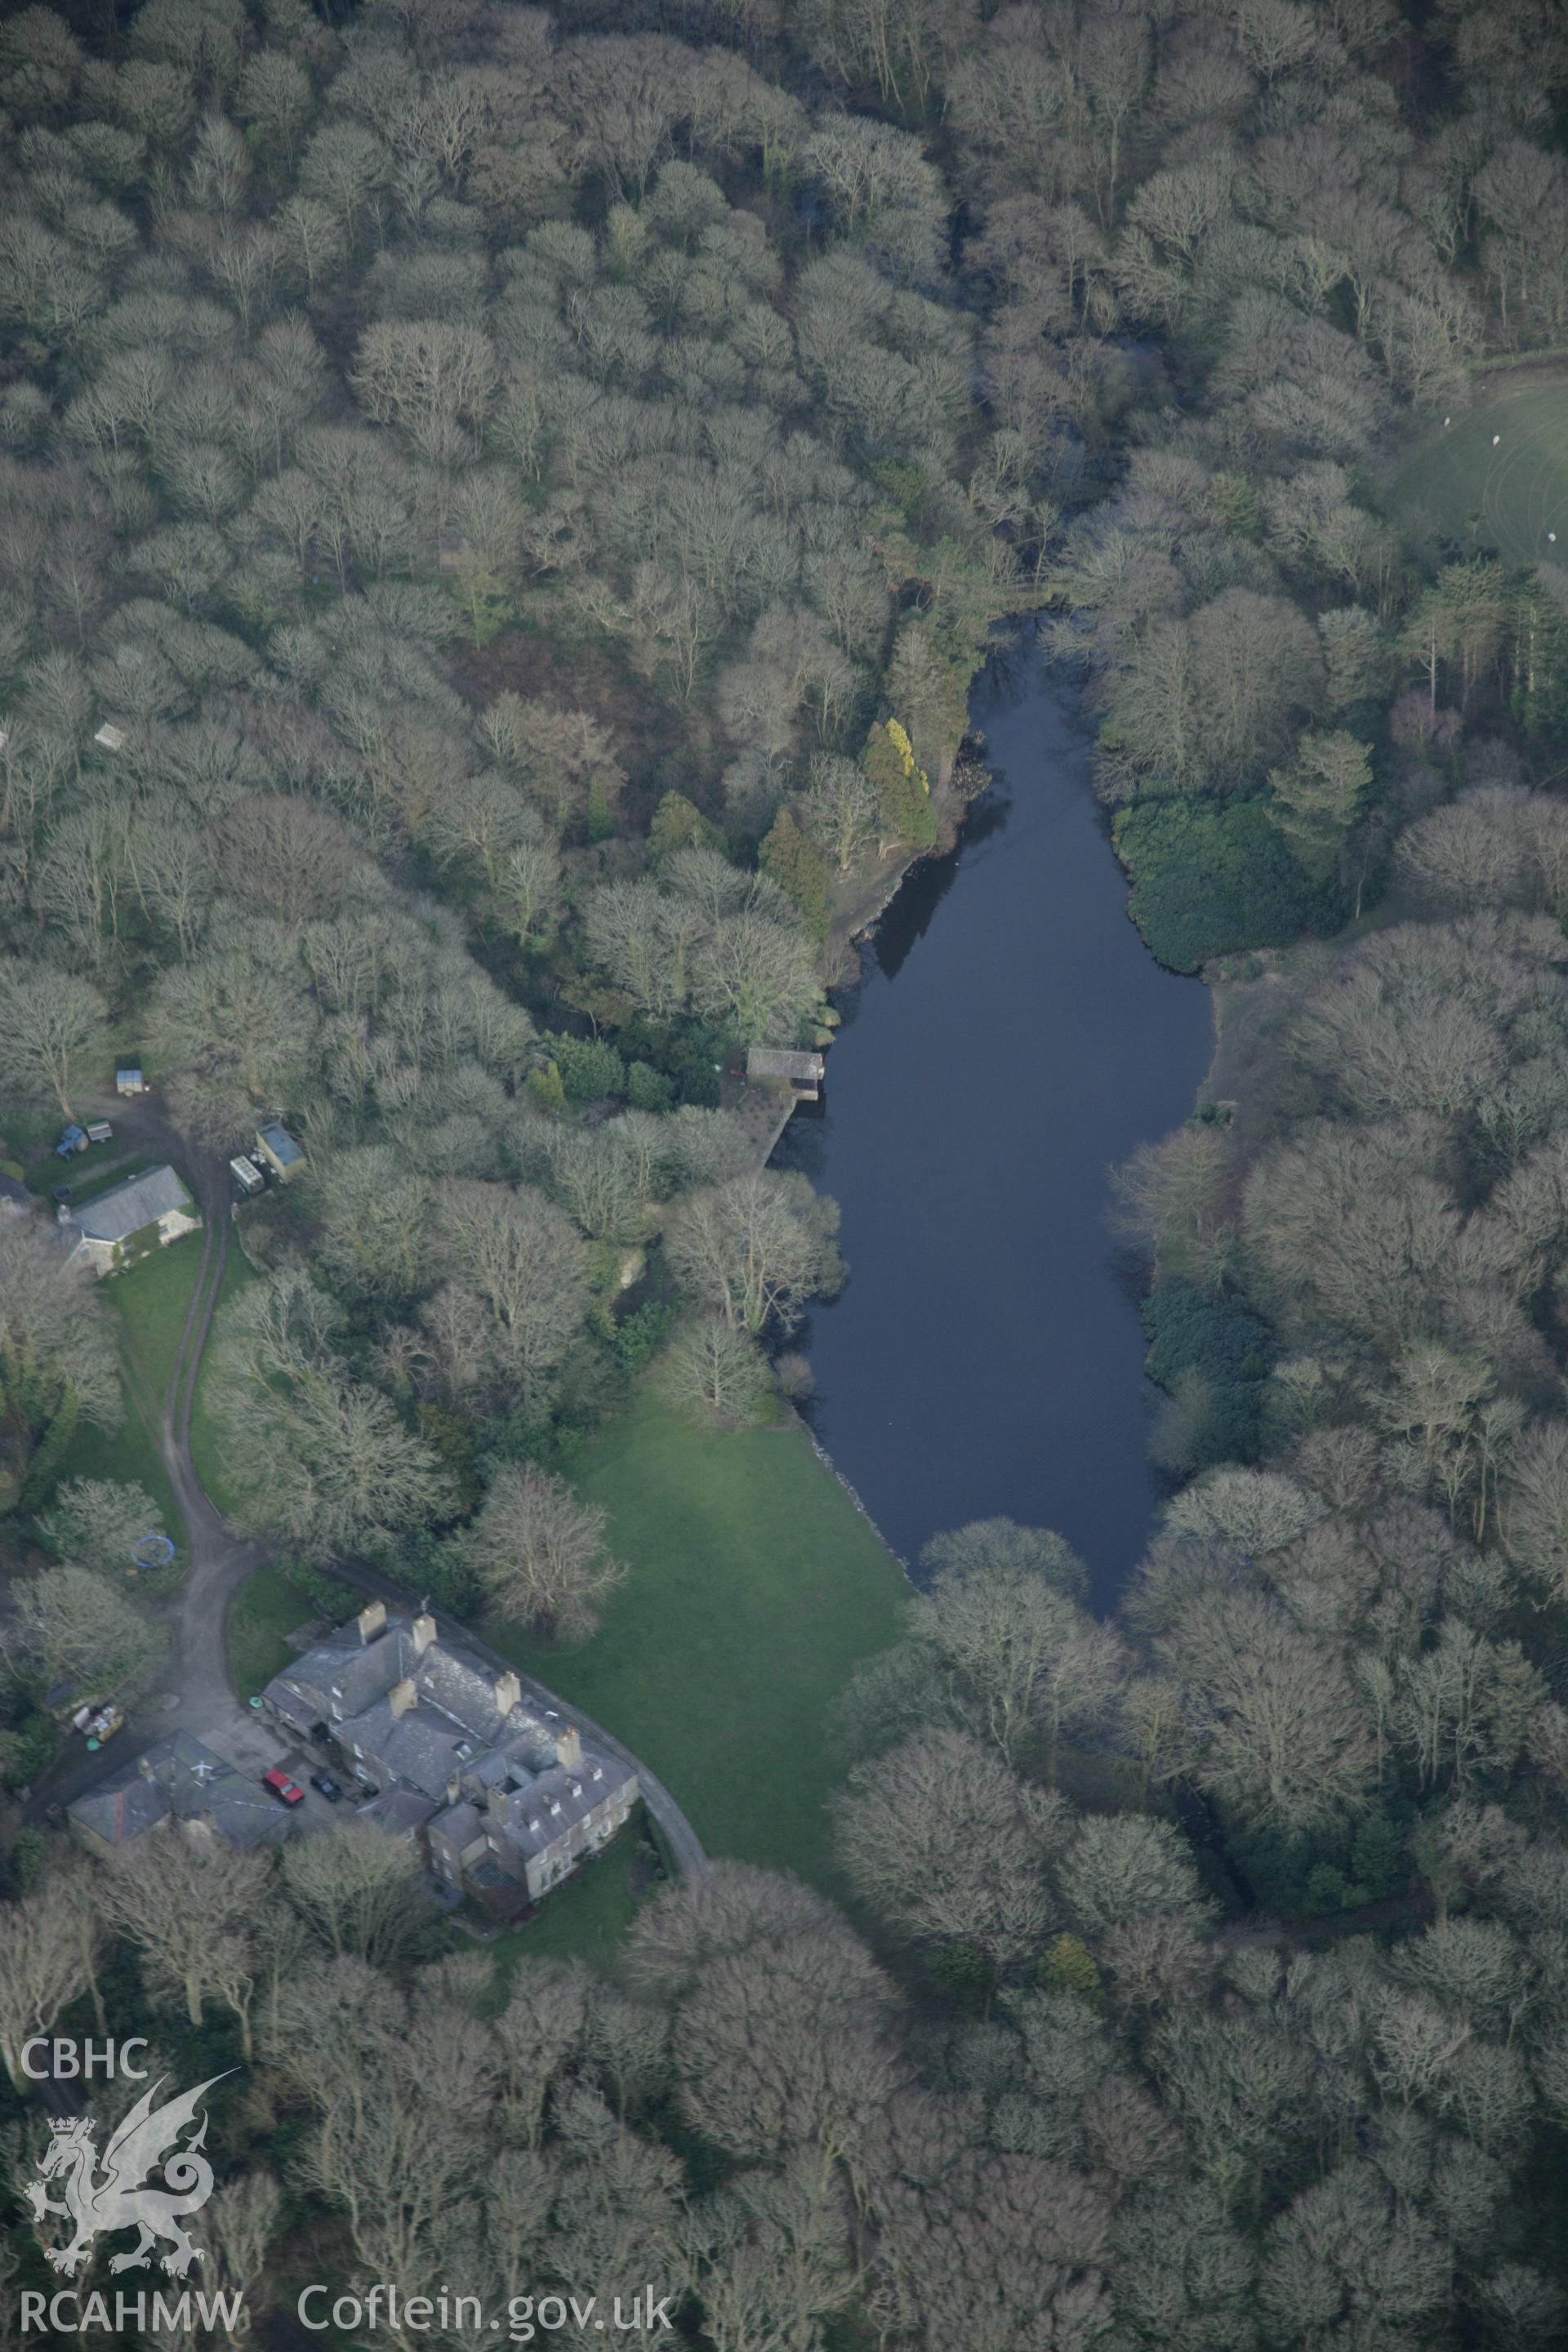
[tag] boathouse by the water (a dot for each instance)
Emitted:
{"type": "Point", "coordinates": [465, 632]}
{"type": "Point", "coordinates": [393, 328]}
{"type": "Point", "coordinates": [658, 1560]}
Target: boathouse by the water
{"type": "Point", "coordinates": [801, 1072]}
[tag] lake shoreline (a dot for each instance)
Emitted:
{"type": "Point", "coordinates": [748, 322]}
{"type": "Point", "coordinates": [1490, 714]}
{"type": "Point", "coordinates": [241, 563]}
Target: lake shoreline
{"type": "Point", "coordinates": [987, 1354]}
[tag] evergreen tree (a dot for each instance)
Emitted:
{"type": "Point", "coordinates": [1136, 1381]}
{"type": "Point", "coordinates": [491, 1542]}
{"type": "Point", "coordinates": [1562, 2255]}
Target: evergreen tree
{"type": "Point", "coordinates": [1318, 798]}
{"type": "Point", "coordinates": [904, 812]}
{"type": "Point", "coordinates": [799, 868]}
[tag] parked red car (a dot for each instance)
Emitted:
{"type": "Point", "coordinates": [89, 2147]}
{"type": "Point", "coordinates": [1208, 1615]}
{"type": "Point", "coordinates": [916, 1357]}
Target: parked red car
{"type": "Point", "coordinates": [278, 1784]}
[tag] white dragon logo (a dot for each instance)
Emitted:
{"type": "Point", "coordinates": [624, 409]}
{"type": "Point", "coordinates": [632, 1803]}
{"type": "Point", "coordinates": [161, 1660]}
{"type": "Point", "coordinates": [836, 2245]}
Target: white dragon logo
{"type": "Point", "coordinates": [118, 2201]}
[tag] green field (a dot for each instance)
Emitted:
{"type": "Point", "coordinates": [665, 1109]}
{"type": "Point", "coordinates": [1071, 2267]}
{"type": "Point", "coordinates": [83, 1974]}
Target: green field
{"type": "Point", "coordinates": [88, 1173]}
{"type": "Point", "coordinates": [207, 1442]}
{"type": "Point", "coordinates": [266, 1607]}
{"type": "Point", "coordinates": [130, 1456]}
{"type": "Point", "coordinates": [151, 1302]}
{"type": "Point", "coordinates": [1509, 498]}
{"type": "Point", "coordinates": [586, 1919]}
{"type": "Point", "coordinates": [755, 1585]}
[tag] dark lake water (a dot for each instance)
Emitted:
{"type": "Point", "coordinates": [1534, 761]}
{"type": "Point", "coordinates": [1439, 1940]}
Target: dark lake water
{"type": "Point", "coordinates": [1010, 1040]}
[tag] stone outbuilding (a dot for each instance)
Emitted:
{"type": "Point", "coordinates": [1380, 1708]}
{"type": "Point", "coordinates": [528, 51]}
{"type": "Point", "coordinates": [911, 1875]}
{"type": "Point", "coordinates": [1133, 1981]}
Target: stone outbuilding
{"type": "Point", "coordinates": [771, 1065]}
{"type": "Point", "coordinates": [177, 1784]}
{"type": "Point", "coordinates": [129, 1221]}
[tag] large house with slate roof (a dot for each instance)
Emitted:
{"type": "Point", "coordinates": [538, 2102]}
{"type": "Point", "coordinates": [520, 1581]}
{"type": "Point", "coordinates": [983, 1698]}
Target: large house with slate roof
{"type": "Point", "coordinates": [506, 1801]}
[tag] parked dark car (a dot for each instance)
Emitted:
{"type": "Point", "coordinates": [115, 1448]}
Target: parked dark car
{"type": "Point", "coordinates": [278, 1784]}
{"type": "Point", "coordinates": [327, 1785]}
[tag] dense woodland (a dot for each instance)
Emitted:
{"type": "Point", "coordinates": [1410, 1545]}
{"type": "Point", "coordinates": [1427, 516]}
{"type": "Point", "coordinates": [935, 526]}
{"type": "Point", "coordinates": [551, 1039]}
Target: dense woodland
{"type": "Point", "coordinates": [528, 494]}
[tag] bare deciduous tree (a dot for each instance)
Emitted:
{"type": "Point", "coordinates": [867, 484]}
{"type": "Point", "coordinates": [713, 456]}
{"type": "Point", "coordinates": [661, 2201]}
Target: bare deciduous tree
{"type": "Point", "coordinates": [1027, 1662]}
{"type": "Point", "coordinates": [72, 1625]}
{"type": "Point", "coordinates": [361, 1890]}
{"type": "Point", "coordinates": [715, 1365]}
{"type": "Point", "coordinates": [45, 1964]}
{"type": "Point", "coordinates": [539, 1555]}
{"type": "Point", "coordinates": [757, 1248]}
{"type": "Point", "coordinates": [51, 1030]}
{"type": "Point", "coordinates": [190, 1909]}
{"type": "Point", "coordinates": [951, 1848]}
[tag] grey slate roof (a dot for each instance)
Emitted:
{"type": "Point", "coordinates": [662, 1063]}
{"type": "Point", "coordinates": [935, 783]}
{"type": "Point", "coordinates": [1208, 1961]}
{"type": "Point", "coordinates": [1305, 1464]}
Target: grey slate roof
{"type": "Point", "coordinates": [126, 1208]}
{"type": "Point", "coordinates": [399, 1811]}
{"type": "Point", "coordinates": [462, 1686]}
{"type": "Point", "coordinates": [295, 1708]}
{"type": "Point", "coordinates": [340, 1675]}
{"type": "Point", "coordinates": [460, 1824]}
{"type": "Point", "coordinates": [778, 1061]}
{"type": "Point", "coordinates": [524, 1756]}
{"type": "Point", "coordinates": [535, 1816]}
{"type": "Point", "coordinates": [342, 1678]}
{"type": "Point", "coordinates": [499, 1769]}
{"type": "Point", "coordinates": [421, 1749]}
{"type": "Point", "coordinates": [184, 1778]}
{"type": "Point", "coordinates": [122, 1807]}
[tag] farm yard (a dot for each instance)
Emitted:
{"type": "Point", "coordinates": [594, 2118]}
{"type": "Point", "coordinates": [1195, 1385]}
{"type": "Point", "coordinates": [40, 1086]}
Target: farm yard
{"type": "Point", "coordinates": [1509, 498]}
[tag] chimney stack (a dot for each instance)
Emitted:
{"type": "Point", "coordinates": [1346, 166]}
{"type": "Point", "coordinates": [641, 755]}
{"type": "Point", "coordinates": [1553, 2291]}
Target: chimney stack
{"type": "Point", "coordinates": [509, 1691]}
{"type": "Point", "coordinates": [402, 1696]}
{"type": "Point", "coordinates": [568, 1746]}
{"type": "Point", "coordinates": [424, 1632]}
{"type": "Point", "coordinates": [372, 1620]}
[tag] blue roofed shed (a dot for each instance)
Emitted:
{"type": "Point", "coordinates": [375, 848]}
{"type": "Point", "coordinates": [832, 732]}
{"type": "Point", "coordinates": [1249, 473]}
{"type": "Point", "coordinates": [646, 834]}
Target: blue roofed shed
{"type": "Point", "coordinates": [281, 1153]}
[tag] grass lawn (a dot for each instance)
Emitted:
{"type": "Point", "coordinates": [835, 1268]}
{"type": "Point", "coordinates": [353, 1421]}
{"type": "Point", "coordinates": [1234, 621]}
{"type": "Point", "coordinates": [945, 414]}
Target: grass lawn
{"type": "Point", "coordinates": [755, 1585]}
{"type": "Point", "coordinates": [129, 1455]}
{"type": "Point", "coordinates": [1507, 498]}
{"type": "Point", "coordinates": [27, 1130]}
{"type": "Point", "coordinates": [87, 1172]}
{"type": "Point", "coordinates": [86, 1182]}
{"type": "Point", "coordinates": [152, 1300]}
{"type": "Point", "coordinates": [586, 1919]}
{"type": "Point", "coordinates": [266, 1607]}
{"type": "Point", "coordinates": [206, 1439]}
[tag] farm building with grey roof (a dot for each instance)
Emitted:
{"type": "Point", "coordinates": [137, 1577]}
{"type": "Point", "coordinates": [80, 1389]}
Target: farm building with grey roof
{"type": "Point", "coordinates": [144, 1214]}
{"type": "Point", "coordinates": [177, 1783]}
